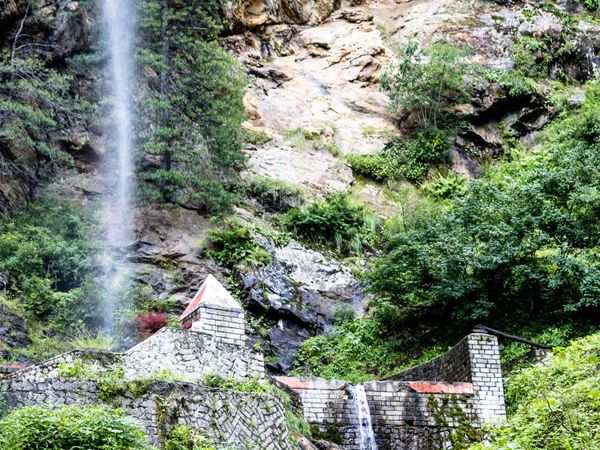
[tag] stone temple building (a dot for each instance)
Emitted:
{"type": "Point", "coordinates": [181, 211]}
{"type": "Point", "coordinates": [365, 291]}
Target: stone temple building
{"type": "Point", "coordinates": [162, 378]}
{"type": "Point", "coordinates": [162, 382]}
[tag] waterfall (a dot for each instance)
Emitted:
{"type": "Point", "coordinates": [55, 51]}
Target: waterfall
{"type": "Point", "coordinates": [118, 168]}
{"type": "Point", "coordinates": [360, 407]}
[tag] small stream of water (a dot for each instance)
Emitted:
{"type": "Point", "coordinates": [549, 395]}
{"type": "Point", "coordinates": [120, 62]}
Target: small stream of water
{"type": "Point", "coordinates": [358, 396]}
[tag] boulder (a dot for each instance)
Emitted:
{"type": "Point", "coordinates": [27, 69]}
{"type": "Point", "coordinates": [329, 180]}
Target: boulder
{"type": "Point", "coordinates": [302, 290]}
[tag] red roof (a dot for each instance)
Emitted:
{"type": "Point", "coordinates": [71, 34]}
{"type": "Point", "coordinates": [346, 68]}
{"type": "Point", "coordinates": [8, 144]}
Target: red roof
{"type": "Point", "coordinates": [210, 293]}
{"type": "Point", "coordinates": [193, 306]}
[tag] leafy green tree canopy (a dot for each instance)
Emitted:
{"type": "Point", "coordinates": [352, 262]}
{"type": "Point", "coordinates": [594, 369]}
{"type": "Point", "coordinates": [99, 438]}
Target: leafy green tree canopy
{"type": "Point", "coordinates": [521, 245]}
{"type": "Point", "coordinates": [191, 104]}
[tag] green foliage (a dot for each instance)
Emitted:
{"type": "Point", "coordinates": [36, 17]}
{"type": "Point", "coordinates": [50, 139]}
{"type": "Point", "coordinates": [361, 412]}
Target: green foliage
{"type": "Point", "coordinates": [426, 80]}
{"type": "Point", "coordinates": [554, 406]}
{"type": "Point", "coordinates": [335, 221]}
{"type": "Point", "coordinates": [452, 424]}
{"type": "Point", "coordinates": [537, 56]}
{"type": "Point", "coordinates": [252, 385]}
{"type": "Point", "coordinates": [446, 187]}
{"type": "Point", "coordinates": [356, 351]}
{"type": "Point", "coordinates": [353, 351]}
{"type": "Point", "coordinates": [191, 105]}
{"type": "Point", "coordinates": [183, 438]}
{"type": "Point", "coordinates": [591, 5]}
{"type": "Point", "coordinates": [37, 108]}
{"type": "Point", "coordinates": [532, 56]}
{"type": "Point", "coordinates": [258, 137]}
{"type": "Point", "coordinates": [48, 253]}
{"type": "Point", "coordinates": [70, 427]}
{"type": "Point", "coordinates": [275, 195]}
{"type": "Point", "coordinates": [520, 246]}
{"type": "Point", "coordinates": [233, 245]}
{"type": "Point", "coordinates": [331, 433]}
{"type": "Point", "coordinates": [514, 82]}
{"type": "Point", "coordinates": [295, 421]}
{"type": "Point", "coordinates": [401, 160]}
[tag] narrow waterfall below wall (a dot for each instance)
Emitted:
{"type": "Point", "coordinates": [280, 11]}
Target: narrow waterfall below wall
{"type": "Point", "coordinates": [362, 413]}
{"type": "Point", "coordinates": [118, 166]}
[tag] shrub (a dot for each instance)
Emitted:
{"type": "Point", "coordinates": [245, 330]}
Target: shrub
{"type": "Point", "coordinates": [519, 247]}
{"type": "Point", "coordinates": [357, 351]}
{"type": "Point", "coordinates": [514, 82]}
{"type": "Point", "coordinates": [275, 195]}
{"type": "Point", "coordinates": [427, 80]}
{"type": "Point", "coordinates": [233, 245]}
{"type": "Point", "coordinates": [256, 137]}
{"type": "Point", "coordinates": [48, 253]}
{"type": "Point", "coordinates": [150, 322]}
{"type": "Point", "coordinates": [184, 438]}
{"type": "Point", "coordinates": [536, 57]}
{"type": "Point", "coordinates": [335, 221]}
{"type": "Point", "coordinates": [87, 340]}
{"type": "Point", "coordinates": [446, 187]}
{"type": "Point", "coordinates": [554, 406]}
{"type": "Point", "coordinates": [404, 159]}
{"type": "Point", "coordinates": [70, 427]}
{"type": "Point", "coordinates": [532, 56]}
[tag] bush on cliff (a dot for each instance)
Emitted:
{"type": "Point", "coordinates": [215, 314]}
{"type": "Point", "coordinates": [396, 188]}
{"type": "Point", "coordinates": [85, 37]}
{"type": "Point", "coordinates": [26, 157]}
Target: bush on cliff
{"type": "Point", "coordinates": [70, 427]}
{"type": "Point", "coordinates": [48, 256]}
{"type": "Point", "coordinates": [335, 221]}
{"type": "Point", "coordinates": [520, 247]}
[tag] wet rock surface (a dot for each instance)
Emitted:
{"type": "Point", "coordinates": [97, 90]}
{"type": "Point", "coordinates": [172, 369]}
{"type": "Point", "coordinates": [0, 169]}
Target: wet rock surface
{"type": "Point", "coordinates": [301, 290]}
{"type": "Point", "coordinates": [13, 332]}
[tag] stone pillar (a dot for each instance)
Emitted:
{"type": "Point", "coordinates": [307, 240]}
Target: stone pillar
{"type": "Point", "coordinates": [486, 376]}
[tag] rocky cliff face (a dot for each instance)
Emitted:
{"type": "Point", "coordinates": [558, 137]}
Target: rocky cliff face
{"type": "Point", "coordinates": [315, 68]}
{"type": "Point", "coordinates": [54, 34]}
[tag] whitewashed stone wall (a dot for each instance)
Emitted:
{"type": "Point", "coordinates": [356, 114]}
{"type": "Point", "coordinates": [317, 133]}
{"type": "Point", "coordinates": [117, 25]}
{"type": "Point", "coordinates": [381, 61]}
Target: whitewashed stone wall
{"type": "Point", "coordinates": [228, 325]}
{"type": "Point", "coordinates": [192, 355]}
{"type": "Point", "coordinates": [402, 409]}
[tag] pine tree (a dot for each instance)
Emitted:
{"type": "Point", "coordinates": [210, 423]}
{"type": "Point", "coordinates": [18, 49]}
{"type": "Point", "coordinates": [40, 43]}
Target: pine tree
{"type": "Point", "coordinates": [191, 105]}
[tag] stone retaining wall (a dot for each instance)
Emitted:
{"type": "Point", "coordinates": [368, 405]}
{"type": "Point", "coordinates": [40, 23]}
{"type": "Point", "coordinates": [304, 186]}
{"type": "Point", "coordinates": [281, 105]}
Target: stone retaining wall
{"type": "Point", "coordinates": [404, 409]}
{"type": "Point", "coordinates": [400, 410]}
{"type": "Point", "coordinates": [475, 359]}
{"type": "Point", "coordinates": [240, 420]}
{"type": "Point", "coordinates": [192, 354]}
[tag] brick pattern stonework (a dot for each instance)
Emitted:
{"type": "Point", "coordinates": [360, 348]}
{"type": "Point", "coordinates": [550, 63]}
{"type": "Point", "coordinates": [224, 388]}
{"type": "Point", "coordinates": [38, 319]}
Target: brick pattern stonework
{"type": "Point", "coordinates": [228, 325]}
{"type": "Point", "coordinates": [239, 420]}
{"type": "Point", "coordinates": [403, 409]}
{"type": "Point", "coordinates": [192, 355]}
{"type": "Point", "coordinates": [243, 421]}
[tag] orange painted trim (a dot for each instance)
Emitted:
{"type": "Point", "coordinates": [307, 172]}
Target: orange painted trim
{"type": "Point", "coordinates": [427, 387]}
{"type": "Point", "coordinates": [294, 383]}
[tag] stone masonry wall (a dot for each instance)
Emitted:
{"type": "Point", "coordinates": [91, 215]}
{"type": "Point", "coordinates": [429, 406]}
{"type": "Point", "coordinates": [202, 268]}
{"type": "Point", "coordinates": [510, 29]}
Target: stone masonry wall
{"type": "Point", "coordinates": [403, 408]}
{"type": "Point", "coordinates": [228, 325]}
{"type": "Point", "coordinates": [192, 354]}
{"type": "Point", "coordinates": [475, 359]}
{"type": "Point", "coordinates": [400, 411]}
{"type": "Point", "coordinates": [242, 421]}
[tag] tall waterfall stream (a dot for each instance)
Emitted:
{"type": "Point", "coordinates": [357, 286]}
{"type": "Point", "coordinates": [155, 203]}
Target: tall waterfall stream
{"type": "Point", "coordinates": [366, 439]}
{"type": "Point", "coordinates": [118, 169]}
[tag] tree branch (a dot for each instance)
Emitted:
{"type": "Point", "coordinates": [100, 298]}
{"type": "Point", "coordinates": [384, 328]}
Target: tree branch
{"type": "Point", "coordinates": [14, 46]}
